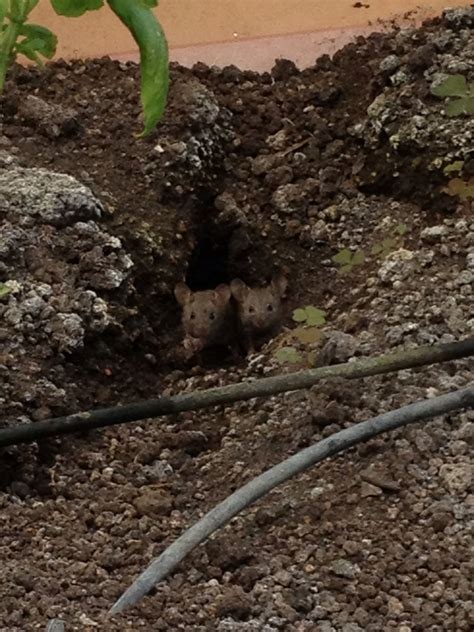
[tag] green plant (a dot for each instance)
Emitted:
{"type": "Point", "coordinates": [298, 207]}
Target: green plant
{"type": "Point", "coordinates": [310, 315]}
{"type": "Point", "coordinates": [347, 259]}
{"type": "Point", "coordinates": [389, 244]}
{"type": "Point", "coordinates": [462, 188]}
{"type": "Point", "coordinates": [459, 92]}
{"type": "Point", "coordinates": [4, 290]}
{"type": "Point", "coordinates": [458, 186]}
{"type": "Point", "coordinates": [400, 229]}
{"type": "Point", "coordinates": [16, 37]}
{"type": "Point", "coordinates": [384, 248]}
{"type": "Point", "coordinates": [454, 167]}
{"type": "Point", "coordinates": [309, 319]}
{"type": "Point", "coordinates": [288, 355]}
{"type": "Point", "coordinates": [35, 42]}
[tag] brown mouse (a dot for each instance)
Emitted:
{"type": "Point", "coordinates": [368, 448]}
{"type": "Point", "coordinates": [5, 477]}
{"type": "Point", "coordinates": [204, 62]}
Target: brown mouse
{"type": "Point", "coordinates": [208, 317]}
{"type": "Point", "coordinates": [259, 310]}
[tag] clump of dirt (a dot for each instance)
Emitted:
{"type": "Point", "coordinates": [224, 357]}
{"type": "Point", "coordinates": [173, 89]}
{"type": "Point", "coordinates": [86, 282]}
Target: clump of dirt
{"type": "Point", "coordinates": [62, 271]}
{"type": "Point", "coordinates": [247, 173]}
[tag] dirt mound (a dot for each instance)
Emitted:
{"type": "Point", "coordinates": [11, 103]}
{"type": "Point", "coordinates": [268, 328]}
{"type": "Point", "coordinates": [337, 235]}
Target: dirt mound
{"type": "Point", "coordinates": [247, 173]}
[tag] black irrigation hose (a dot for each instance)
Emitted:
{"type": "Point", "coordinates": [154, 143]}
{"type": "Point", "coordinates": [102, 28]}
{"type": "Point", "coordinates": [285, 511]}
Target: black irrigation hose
{"type": "Point", "coordinates": [261, 485]}
{"type": "Point", "coordinates": [264, 387]}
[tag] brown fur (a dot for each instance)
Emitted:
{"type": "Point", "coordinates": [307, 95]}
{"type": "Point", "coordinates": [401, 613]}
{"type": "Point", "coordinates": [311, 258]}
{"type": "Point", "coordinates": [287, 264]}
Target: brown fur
{"type": "Point", "coordinates": [259, 310]}
{"type": "Point", "coordinates": [208, 317]}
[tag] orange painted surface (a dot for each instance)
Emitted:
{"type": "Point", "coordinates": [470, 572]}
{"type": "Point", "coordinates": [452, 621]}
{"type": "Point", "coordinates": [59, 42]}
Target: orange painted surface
{"type": "Point", "coordinates": [260, 53]}
{"type": "Point", "coordinates": [218, 31]}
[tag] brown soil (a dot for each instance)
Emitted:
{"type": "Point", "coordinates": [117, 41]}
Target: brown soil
{"type": "Point", "coordinates": [247, 173]}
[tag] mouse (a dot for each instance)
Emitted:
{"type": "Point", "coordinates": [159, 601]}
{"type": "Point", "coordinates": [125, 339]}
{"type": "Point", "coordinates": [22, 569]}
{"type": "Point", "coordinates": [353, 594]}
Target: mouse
{"type": "Point", "coordinates": [259, 310]}
{"type": "Point", "coordinates": [208, 318]}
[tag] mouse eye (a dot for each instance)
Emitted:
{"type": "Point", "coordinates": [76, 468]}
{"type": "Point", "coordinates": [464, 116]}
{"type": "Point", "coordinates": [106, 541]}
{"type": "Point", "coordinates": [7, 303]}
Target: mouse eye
{"type": "Point", "coordinates": [212, 316]}
{"type": "Point", "coordinates": [251, 310]}
{"type": "Point", "coordinates": [270, 307]}
{"type": "Point", "coordinates": [192, 316]}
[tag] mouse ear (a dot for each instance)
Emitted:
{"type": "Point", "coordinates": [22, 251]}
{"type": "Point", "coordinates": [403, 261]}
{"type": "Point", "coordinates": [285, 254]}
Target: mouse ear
{"type": "Point", "coordinates": [182, 293]}
{"type": "Point", "coordinates": [223, 292]}
{"type": "Point", "coordinates": [239, 290]}
{"type": "Point", "coordinates": [279, 284]}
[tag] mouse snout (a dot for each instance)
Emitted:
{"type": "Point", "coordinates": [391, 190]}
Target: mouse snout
{"type": "Point", "coordinates": [198, 328]}
{"type": "Point", "coordinates": [260, 321]}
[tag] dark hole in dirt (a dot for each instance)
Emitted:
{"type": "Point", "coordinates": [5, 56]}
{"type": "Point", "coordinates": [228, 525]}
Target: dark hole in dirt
{"type": "Point", "coordinates": [208, 264]}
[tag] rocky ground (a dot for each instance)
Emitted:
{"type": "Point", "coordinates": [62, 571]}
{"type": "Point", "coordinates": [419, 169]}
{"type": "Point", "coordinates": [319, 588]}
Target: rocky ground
{"type": "Point", "coordinates": [247, 173]}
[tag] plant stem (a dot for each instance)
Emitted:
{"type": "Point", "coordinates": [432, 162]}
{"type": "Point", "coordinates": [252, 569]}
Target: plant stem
{"type": "Point", "coordinates": [19, 10]}
{"type": "Point", "coordinates": [7, 42]}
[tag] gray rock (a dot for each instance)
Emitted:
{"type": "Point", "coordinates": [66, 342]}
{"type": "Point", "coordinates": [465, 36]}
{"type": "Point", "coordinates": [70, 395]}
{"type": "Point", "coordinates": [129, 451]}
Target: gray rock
{"type": "Point", "coordinates": [390, 63]}
{"type": "Point", "coordinates": [460, 16]}
{"type": "Point", "coordinates": [53, 120]}
{"type": "Point", "coordinates": [433, 234]}
{"type": "Point", "coordinates": [398, 266]}
{"type": "Point", "coordinates": [399, 78]}
{"type": "Point", "coordinates": [338, 347]}
{"type": "Point", "coordinates": [344, 568]}
{"type": "Point", "coordinates": [45, 196]}
{"type": "Point", "coordinates": [288, 198]}
{"type": "Point", "coordinates": [67, 332]}
{"type": "Point", "coordinates": [466, 277]}
{"type": "Point", "coordinates": [7, 160]}
{"type": "Point", "coordinates": [458, 477]}
{"type": "Point", "coordinates": [56, 260]}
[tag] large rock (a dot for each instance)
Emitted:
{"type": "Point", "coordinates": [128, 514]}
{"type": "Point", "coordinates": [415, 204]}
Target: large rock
{"type": "Point", "coordinates": [58, 267]}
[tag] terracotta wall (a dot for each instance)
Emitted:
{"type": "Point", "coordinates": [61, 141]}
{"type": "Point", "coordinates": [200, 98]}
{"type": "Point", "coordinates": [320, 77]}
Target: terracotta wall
{"type": "Point", "coordinates": [217, 31]}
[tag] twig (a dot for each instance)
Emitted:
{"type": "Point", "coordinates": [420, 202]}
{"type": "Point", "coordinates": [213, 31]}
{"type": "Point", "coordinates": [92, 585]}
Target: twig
{"type": "Point", "coordinates": [296, 146]}
{"type": "Point", "coordinates": [261, 485]}
{"type": "Point", "coordinates": [264, 387]}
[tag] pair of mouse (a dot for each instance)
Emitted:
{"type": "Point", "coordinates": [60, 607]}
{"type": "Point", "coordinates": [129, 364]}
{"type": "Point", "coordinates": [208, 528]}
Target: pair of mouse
{"type": "Point", "coordinates": [235, 316]}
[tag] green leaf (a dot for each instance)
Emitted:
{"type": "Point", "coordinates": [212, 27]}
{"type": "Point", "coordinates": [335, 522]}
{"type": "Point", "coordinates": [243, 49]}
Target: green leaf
{"type": "Point", "coordinates": [28, 51]}
{"type": "Point", "coordinates": [456, 107]}
{"type": "Point", "coordinates": [38, 40]}
{"type": "Point", "coordinates": [343, 257]}
{"type": "Point", "coordinates": [468, 193]}
{"type": "Point", "coordinates": [457, 165]}
{"type": "Point", "coordinates": [314, 316]}
{"type": "Point", "coordinates": [287, 355]}
{"type": "Point", "coordinates": [310, 315]}
{"type": "Point", "coordinates": [149, 4]}
{"type": "Point", "coordinates": [75, 8]}
{"type": "Point", "coordinates": [470, 105]}
{"type": "Point", "coordinates": [389, 244]}
{"type": "Point", "coordinates": [452, 86]}
{"type": "Point", "coordinates": [154, 62]}
{"type": "Point", "coordinates": [400, 229]}
{"type": "Point", "coordinates": [299, 315]}
{"type": "Point", "coordinates": [358, 258]}
{"type": "Point", "coordinates": [464, 190]}
{"type": "Point", "coordinates": [4, 290]}
{"type": "Point", "coordinates": [345, 269]}
{"type": "Point", "coordinates": [376, 249]}
{"type": "Point", "coordinates": [308, 335]}
{"type": "Point", "coordinates": [3, 10]}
